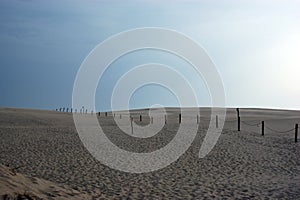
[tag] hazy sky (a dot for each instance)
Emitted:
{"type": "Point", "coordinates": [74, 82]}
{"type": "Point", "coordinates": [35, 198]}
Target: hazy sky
{"type": "Point", "coordinates": [254, 44]}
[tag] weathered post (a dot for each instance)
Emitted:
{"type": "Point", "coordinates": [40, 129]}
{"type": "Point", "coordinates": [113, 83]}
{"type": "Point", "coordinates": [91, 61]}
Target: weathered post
{"type": "Point", "coordinates": [165, 119]}
{"type": "Point", "coordinates": [99, 114]}
{"type": "Point", "coordinates": [296, 133]}
{"type": "Point", "coordinates": [217, 122]}
{"type": "Point", "coordinates": [151, 120]}
{"type": "Point", "coordinates": [239, 124]}
{"type": "Point", "coordinates": [140, 118]}
{"type": "Point", "coordinates": [105, 114]}
{"type": "Point", "coordinates": [179, 118]}
{"type": "Point", "coordinates": [131, 119]}
{"type": "Point", "coordinates": [263, 128]}
{"type": "Point", "coordinates": [238, 112]}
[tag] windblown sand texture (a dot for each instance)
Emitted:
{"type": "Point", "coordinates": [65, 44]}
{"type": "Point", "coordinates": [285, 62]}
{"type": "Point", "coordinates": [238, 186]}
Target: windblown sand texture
{"type": "Point", "coordinates": [243, 165]}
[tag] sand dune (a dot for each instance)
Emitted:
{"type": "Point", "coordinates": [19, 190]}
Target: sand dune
{"type": "Point", "coordinates": [17, 186]}
{"type": "Point", "coordinates": [45, 144]}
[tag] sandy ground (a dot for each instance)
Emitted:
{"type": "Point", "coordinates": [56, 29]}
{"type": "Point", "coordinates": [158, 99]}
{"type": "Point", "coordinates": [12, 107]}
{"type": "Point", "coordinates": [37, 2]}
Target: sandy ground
{"type": "Point", "coordinates": [243, 165]}
{"type": "Point", "coordinates": [17, 186]}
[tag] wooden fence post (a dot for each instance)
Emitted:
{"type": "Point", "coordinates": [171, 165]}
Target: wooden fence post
{"type": "Point", "coordinates": [131, 119]}
{"type": "Point", "coordinates": [179, 118]}
{"type": "Point", "coordinates": [140, 118]}
{"type": "Point", "coordinates": [217, 122]}
{"type": "Point", "coordinates": [165, 119]}
{"type": "Point", "coordinates": [296, 133]}
{"type": "Point", "coordinates": [105, 114]}
{"type": "Point", "coordinates": [263, 128]}
{"type": "Point", "coordinates": [99, 114]}
{"type": "Point", "coordinates": [239, 124]}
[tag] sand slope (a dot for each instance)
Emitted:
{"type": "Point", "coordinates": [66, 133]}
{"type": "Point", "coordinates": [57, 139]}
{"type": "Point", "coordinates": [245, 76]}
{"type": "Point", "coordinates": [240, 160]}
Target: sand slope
{"type": "Point", "coordinates": [242, 165]}
{"type": "Point", "coordinates": [17, 186]}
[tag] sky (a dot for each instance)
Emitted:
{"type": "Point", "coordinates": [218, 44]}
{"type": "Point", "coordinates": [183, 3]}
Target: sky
{"type": "Point", "coordinates": [254, 45]}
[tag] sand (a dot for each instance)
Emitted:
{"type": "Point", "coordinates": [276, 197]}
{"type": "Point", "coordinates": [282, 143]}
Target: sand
{"type": "Point", "coordinates": [17, 186]}
{"type": "Point", "coordinates": [243, 164]}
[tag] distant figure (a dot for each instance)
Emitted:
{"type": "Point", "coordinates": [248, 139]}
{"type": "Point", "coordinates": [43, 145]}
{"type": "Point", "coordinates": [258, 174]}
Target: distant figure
{"type": "Point", "coordinates": [59, 109]}
{"type": "Point", "coordinates": [71, 110]}
{"type": "Point", "coordinates": [63, 109]}
{"type": "Point", "coordinates": [67, 109]}
{"type": "Point", "coordinates": [86, 111]}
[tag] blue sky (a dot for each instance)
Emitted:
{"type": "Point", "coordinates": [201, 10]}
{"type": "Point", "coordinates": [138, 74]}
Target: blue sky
{"type": "Point", "coordinates": [254, 44]}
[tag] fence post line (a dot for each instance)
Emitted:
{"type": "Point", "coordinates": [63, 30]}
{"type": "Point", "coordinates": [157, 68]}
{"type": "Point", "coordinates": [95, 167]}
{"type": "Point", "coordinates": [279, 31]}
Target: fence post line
{"type": "Point", "coordinates": [296, 133]}
{"type": "Point", "coordinates": [263, 128]}
{"type": "Point", "coordinates": [179, 119]}
{"type": "Point", "coordinates": [217, 121]}
{"type": "Point", "coordinates": [239, 123]}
